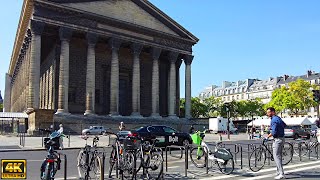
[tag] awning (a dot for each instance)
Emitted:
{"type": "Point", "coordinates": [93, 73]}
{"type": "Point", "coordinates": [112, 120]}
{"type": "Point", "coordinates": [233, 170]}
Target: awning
{"type": "Point", "coordinates": [10, 115]}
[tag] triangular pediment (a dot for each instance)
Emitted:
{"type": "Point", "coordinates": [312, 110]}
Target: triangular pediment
{"type": "Point", "coordinates": [123, 10]}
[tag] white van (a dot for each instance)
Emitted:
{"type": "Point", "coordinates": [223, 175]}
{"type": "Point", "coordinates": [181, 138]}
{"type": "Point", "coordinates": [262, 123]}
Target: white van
{"type": "Point", "coordinates": [217, 125]}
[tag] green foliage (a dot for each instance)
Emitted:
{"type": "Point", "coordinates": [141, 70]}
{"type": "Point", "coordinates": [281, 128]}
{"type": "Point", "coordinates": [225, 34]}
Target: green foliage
{"type": "Point", "coordinates": [297, 97]}
{"type": "Point", "coordinates": [1, 107]}
{"type": "Point", "coordinates": [198, 109]}
{"type": "Point", "coordinates": [213, 105]}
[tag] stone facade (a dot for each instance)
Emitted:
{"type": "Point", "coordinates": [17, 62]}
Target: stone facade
{"type": "Point", "coordinates": [96, 57]}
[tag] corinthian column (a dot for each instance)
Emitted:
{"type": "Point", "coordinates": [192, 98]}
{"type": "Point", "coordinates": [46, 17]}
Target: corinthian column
{"type": "Point", "coordinates": [188, 60]}
{"type": "Point", "coordinates": [65, 36]}
{"type": "Point", "coordinates": [114, 79]}
{"type": "Point", "coordinates": [90, 80]}
{"type": "Point", "coordinates": [136, 50]}
{"type": "Point", "coordinates": [34, 71]}
{"type": "Point", "coordinates": [155, 82]}
{"type": "Point", "coordinates": [173, 56]}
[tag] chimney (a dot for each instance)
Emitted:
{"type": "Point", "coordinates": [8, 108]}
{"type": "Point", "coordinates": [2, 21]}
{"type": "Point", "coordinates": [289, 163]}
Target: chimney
{"type": "Point", "coordinates": [285, 77]}
{"type": "Point", "coordinates": [309, 73]}
{"type": "Point", "coordinates": [270, 78]}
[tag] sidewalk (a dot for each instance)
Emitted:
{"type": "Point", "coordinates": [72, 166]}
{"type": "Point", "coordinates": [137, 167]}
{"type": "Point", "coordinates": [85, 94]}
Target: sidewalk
{"type": "Point", "coordinates": [36, 142]}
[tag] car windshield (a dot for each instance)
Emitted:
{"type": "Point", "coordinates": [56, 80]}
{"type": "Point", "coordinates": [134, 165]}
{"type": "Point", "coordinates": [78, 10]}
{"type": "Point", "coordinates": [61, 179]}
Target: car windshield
{"type": "Point", "coordinates": [168, 130]}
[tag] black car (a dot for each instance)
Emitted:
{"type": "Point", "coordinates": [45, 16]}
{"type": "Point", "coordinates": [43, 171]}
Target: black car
{"type": "Point", "coordinates": [166, 135]}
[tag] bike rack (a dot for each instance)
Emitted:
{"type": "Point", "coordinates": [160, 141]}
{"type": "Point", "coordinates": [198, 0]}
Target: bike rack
{"type": "Point", "coordinates": [65, 165]}
{"type": "Point", "coordinates": [182, 148]}
{"type": "Point", "coordinates": [22, 137]}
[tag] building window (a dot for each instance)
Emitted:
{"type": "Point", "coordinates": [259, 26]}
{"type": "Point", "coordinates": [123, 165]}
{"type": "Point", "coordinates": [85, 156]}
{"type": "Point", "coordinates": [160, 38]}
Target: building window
{"type": "Point", "coordinates": [237, 96]}
{"type": "Point", "coordinates": [242, 96]}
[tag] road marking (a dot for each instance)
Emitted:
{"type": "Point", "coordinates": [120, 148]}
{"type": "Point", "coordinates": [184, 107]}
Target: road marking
{"type": "Point", "coordinates": [290, 171]}
{"type": "Point", "coordinates": [174, 167]}
{"type": "Point", "coordinates": [264, 170]}
{"type": "Point", "coordinates": [67, 178]}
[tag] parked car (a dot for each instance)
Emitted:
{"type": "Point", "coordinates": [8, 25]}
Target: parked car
{"type": "Point", "coordinates": [94, 130]}
{"type": "Point", "coordinates": [296, 132]}
{"type": "Point", "coordinates": [166, 135]}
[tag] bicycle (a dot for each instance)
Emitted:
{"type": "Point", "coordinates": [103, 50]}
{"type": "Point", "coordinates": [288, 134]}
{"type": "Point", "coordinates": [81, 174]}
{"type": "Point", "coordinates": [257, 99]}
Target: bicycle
{"type": "Point", "coordinates": [302, 148]}
{"type": "Point", "coordinates": [150, 158]}
{"type": "Point", "coordinates": [122, 157]}
{"type": "Point", "coordinates": [52, 162]}
{"type": "Point", "coordinates": [88, 159]}
{"type": "Point", "coordinates": [259, 156]}
{"type": "Point", "coordinates": [201, 154]}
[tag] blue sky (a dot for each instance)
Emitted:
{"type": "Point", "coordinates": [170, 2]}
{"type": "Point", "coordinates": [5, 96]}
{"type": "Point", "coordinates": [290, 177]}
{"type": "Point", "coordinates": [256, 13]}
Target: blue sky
{"type": "Point", "coordinates": [238, 39]}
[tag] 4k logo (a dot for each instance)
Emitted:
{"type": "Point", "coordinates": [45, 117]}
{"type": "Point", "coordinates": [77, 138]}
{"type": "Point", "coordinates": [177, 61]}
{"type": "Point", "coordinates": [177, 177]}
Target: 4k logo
{"type": "Point", "coordinates": [13, 169]}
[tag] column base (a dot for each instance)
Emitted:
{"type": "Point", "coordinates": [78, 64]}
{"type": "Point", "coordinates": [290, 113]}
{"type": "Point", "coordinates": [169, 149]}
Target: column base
{"type": "Point", "coordinates": [173, 116]}
{"type": "Point", "coordinates": [136, 114]}
{"type": "Point", "coordinates": [155, 115]}
{"type": "Point", "coordinates": [89, 113]}
{"type": "Point", "coordinates": [62, 112]}
{"type": "Point", "coordinates": [114, 114]}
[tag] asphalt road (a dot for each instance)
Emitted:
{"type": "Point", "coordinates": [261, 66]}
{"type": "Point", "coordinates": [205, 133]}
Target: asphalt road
{"type": "Point", "coordinates": [305, 169]}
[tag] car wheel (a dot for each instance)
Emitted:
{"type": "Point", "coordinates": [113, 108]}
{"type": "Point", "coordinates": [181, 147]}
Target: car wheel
{"type": "Point", "coordinates": [87, 133]}
{"type": "Point", "coordinates": [185, 142]}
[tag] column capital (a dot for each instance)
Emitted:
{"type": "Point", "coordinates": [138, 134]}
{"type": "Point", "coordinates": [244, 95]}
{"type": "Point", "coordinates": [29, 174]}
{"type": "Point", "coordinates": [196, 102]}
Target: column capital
{"type": "Point", "coordinates": [136, 48]}
{"type": "Point", "coordinates": [115, 43]}
{"type": "Point", "coordinates": [92, 38]}
{"type": "Point", "coordinates": [188, 59]}
{"type": "Point", "coordinates": [155, 53]}
{"type": "Point", "coordinates": [37, 27]}
{"type": "Point", "coordinates": [173, 56]}
{"type": "Point", "coordinates": [65, 33]}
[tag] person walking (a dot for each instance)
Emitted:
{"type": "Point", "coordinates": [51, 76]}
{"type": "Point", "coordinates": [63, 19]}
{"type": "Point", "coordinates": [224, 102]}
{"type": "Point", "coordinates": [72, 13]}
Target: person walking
{"type": "Point", "coordinates": [122, 126]}
{"type": "Point", "coordinates": [62, 135]}
{"type": "Point", "coordinates": [277, 132]}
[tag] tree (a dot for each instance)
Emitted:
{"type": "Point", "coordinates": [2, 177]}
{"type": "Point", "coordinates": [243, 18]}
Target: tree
{"type": "Point", "coordinates": [198, 109]}
{"type": "Point", "coordinates": [300, 97]}
{"type": "Point", "coordinates": [254, 107]}
{"type": "Point", "coordinates": [213, 105]}
{"type": "Point", "coordinates": [297, 97]}
{"type": "Point", "coordinates": [1, 107]}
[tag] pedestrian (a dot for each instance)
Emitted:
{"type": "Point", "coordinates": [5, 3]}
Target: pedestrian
{"type": "Point", "coordinates": [62, 135]}
{"type": "Point", "coordinates": [122, 126]}
{"type": "Point", "coordinates": [277, 132]}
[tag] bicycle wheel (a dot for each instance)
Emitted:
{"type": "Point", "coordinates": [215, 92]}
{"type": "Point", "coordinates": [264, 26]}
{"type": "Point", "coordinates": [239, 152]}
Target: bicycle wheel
{"type": "Point", "coordinates": [287, 153]}
{"type": "Point", "coordinates": [303, 148]}
{"type": "Point", "coordinates": [127, 168]}
{"type": "Point", "coordinates": [46, 175]}
{"type": "Point", "coordinates": [226, 167]}
{"type": "Point", "coordinates": [197, 156]}
{"type": "Point", "coordinates": [81, 163]}
{"type": "Point", "coordinates": [96, 165]}
{"type": "Point", "coordinates": [154, 164]}
{"type": "Point", "coordinates": [139, 160]}
{"type": "Point", "coordinates": [112, 161]}
{"type": "Point", "coordinates": [257, 159]}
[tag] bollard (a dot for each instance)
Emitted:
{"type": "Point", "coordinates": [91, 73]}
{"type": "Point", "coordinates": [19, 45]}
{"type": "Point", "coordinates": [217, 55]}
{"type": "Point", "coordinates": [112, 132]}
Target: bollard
{"type": "Point", "coordinates": [186, 161]}
{"type": "Point", "coordinates": [220, 137]}
{"type": "Point", "coordinates": [42, 137]}
{"type": "Point", "coordinates": [166, 160]}
{"type": "Point", "coordinates": [299, 146]}
{"type": "Point", "coordinates": [69, 139]}
{"type": "Point", "coordinates": [241, 165]}
{"type": "Point", "coordinates": [207, 160]}
{"type": "Point", "coordinates": [65, 167]}
{"type": "Point", "coordinates": [162, 174]}
{"type": "Point", "coordinates": [102, 167]}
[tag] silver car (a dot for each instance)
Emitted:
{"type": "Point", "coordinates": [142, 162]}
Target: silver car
{"type": "Point", "coordinates": [94, 130]}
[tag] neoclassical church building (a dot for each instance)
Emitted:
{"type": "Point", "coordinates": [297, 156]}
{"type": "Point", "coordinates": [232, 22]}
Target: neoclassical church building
{"type": "Point", "coordinates": [99, 57]}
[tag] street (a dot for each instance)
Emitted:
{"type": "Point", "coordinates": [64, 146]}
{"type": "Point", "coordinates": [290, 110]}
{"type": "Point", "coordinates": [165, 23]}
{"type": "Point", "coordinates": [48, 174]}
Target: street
{"type": "Point", "coordinates": [305, 169]}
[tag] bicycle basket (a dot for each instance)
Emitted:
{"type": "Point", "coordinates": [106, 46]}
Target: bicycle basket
{"type": "Point", "coordinates": [131, 144]}
{"type": "Point", "coordinates": [223, 153]}
{"type": "Point", "coordinates": [196, 138]}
